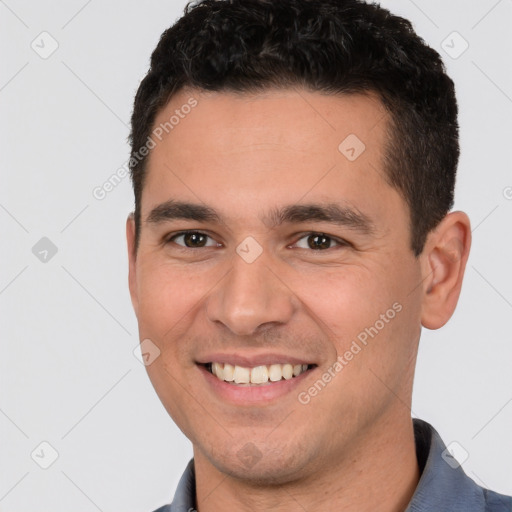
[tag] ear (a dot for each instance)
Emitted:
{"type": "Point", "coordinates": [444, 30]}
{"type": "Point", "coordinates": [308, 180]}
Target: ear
{"type": "Point", "coordinates": [132, 256]}
{"type": "Point", "coordinates": [443, 263]}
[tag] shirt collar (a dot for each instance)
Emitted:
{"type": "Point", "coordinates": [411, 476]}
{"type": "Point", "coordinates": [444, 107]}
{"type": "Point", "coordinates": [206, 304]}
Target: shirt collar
{"type": "Point", "coordinates": [443, 485]}
{"type": "Point", "coordinates": [185, 496]}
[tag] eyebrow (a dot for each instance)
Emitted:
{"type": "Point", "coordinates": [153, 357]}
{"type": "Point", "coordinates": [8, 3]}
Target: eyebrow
{"type": "Point", "coordinates": [331, 213]}
{"type": "Point", "coordinates": [172, 210]}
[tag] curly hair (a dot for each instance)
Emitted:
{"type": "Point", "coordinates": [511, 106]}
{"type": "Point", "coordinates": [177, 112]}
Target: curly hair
{"type": "Point", "coordinates": [329, 46]}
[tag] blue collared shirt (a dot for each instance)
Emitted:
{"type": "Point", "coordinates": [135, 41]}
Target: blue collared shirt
{"type": "Point", "coordinates": [443, 485]}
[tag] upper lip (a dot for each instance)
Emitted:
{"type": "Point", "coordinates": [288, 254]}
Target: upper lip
{"type": "Point", "coordinates": [251, 360]}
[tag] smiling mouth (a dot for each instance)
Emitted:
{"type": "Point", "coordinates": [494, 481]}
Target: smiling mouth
{"type": "Point", "coordinates": [257, 375]}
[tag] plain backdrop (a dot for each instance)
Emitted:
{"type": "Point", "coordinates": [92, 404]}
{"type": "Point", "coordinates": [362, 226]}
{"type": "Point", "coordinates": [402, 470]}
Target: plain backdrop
{"type": "Point", "coordinates": [69, 377]}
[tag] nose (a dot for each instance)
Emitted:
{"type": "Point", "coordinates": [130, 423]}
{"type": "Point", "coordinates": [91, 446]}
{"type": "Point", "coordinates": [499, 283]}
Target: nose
{"type": "Point", "coordinates": [252, 297]}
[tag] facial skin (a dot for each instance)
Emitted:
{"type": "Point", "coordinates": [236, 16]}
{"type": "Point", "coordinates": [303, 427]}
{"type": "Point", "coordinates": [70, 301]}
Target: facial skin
{"type": "Point", "coordinates": [351, 447]}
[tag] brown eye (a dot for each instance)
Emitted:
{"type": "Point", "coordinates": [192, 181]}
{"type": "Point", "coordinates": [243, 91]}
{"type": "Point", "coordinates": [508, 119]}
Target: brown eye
{"type": "Point", "coordinates": [318, 242]}
{"type": "Point", "coordinates": [192, 240]}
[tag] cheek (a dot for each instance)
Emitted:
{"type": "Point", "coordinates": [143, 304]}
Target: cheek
{"type": "Point", "coordinates": [166, 295]}
{"type": "Point", "coordinates": [376, 323]}
{"type": "Point", "coordinates": [369, 319]}
{"type": "Point", "coordinates": [345, 300]}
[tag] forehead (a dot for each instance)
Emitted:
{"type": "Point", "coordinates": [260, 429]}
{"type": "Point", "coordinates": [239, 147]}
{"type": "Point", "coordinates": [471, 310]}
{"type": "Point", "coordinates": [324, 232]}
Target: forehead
{"type": "Point", "coordinates": [276, 147]}
{"type": "Point", "coordinates": [294, 118]}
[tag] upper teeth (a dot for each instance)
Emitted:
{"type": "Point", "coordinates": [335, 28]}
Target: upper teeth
{"type": "Point", "coordinates": [258, 374]}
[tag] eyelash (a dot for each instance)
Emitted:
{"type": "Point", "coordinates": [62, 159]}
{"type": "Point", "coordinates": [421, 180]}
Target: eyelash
{"type": "Point", "coordinates": [340, 242]}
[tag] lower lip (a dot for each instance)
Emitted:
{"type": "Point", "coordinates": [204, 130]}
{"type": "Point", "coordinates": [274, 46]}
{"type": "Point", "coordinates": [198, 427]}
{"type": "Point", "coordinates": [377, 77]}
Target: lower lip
{"type": "Point", "coordinates": [252, 395]}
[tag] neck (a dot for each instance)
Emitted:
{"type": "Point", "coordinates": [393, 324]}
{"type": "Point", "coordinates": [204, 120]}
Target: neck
{"type": "Point", "coordinates": [380, 472]}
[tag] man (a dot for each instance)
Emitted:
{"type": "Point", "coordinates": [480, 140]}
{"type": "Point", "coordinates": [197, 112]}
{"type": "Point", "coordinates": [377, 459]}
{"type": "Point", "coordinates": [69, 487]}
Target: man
{"type": "Point", "coordinates": [293, 165]}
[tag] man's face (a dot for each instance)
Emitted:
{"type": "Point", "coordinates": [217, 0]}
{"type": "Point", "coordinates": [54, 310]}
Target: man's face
{"type": "Point", "coordinates": [274, 281]}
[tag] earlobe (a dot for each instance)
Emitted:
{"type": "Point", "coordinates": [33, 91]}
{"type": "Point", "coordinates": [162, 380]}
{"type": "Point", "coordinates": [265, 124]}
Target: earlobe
{"type": "Point", "coordinates": [132, 254]}
{"type": "Point", "coordinates": [444, 262]}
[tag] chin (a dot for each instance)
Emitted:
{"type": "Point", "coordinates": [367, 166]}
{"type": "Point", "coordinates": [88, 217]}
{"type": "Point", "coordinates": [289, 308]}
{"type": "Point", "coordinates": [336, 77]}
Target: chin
{"type": "Point", "coordinates": [262, 464]}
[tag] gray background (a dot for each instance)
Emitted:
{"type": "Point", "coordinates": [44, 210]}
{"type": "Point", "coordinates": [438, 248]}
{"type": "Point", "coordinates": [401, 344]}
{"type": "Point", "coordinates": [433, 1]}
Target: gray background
{"type": "Point", "coordinates": [69, 375]}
